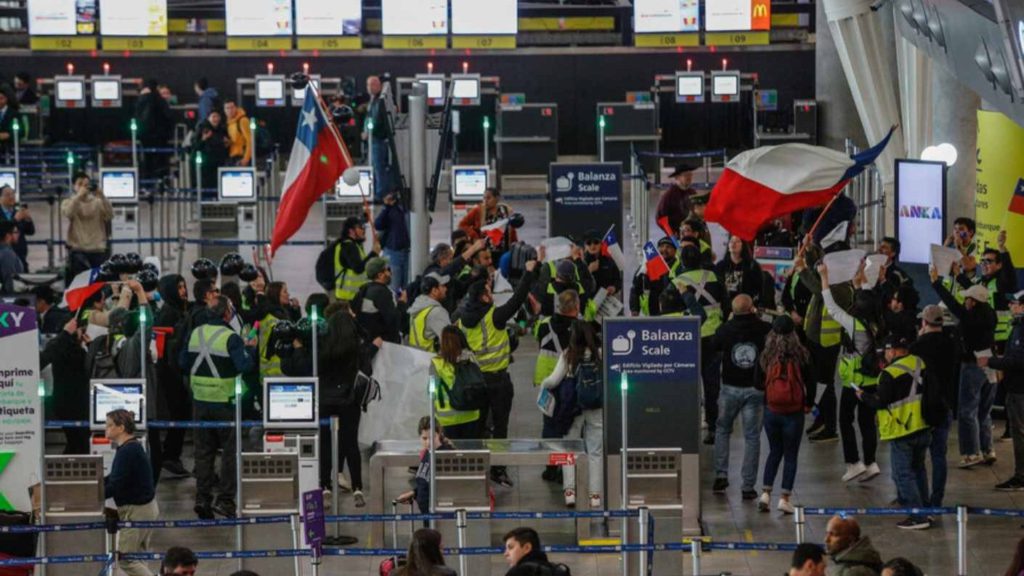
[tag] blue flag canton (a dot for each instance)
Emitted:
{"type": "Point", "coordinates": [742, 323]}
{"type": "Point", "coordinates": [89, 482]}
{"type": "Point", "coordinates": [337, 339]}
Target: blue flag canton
{"type": "Point", "coordinates": [311, 121]}
{"type": "Point", "coordinates": [650, 251]}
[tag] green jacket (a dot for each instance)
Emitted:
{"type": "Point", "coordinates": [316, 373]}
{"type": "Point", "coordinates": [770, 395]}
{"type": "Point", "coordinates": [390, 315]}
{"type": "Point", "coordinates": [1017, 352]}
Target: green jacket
{"type": "Point", "coordinates": [860, 559]}
{"type": "Point", "coordinates": [842, 293]}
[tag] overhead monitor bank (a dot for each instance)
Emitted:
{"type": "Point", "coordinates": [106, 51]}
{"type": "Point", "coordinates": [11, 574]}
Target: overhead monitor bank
{"type": "Point", "coordinates": [485, 17]}
{"type": "Point", "coordinates": [414, 17]}
{"type": "Point", "coordinates": [334, 18]}
{"type": "Point", "coordinates": [666, 16]}
{"type": "Point", "coordinates": [259, 17]}
{"type": "Point", "coordinates": [133, 17]}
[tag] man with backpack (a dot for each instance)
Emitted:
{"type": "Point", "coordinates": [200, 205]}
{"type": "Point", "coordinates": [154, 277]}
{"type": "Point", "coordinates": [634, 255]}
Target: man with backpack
{"type": "Point", "coordinates": [342, 266]}
{"type": "Point", "coordinates": [552, 334]}
{"type": "Point", "coordinates": [525, 556]}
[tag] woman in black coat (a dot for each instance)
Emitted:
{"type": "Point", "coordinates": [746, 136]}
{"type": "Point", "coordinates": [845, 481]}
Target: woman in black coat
{"type": "Point", "coordinates": [66, 353]}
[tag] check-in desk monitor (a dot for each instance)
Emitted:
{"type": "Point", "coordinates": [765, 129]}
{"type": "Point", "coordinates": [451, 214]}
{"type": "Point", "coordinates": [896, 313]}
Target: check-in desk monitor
{"type": "Point", "coordinates": [270, 91]}
{"type": "Point", "coordinates": [120, 185]}
{"type": "Point", "coordinates": [236, 185]}
{"type": "Point", "coordinates": [689, 87]}
{"type": "Point", "coordinates": [9, 177]}
{"type": "Point", "coordinates": [290, 403]}
{"type": "Point", "coordinates": [108, 395]}
{"type": "Point", "coordinates": [106, 92]}
{"type": "Point", "coordinates": [435, 88]}
{"type": "Point", "coordinates": [469, 183]}
{"type": "Point", "coordinates": [466, 89]}
{"type": "Point", "coordinates": [345, 193]}
{"type": "Point", "coordinates": [69, 92]}
{"type": "Point", "coordinates": [725, 86]}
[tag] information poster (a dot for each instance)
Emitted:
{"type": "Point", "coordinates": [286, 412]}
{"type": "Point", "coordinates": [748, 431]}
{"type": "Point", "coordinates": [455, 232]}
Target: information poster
{"type": "Point", "coordinates": [133, 17]}
{"type": "Point", "coordinates": [20, 407]}
{"type": "Point", "coordinates": [493, 17]}
{"type": "Point", "coordinates": [666, 16]}
{"type": "Point", "coordinates": [259, 17]}
{"type": "Point", "coordinates": [335, 18]}
{"type": "Point", "coordinates": [61, 17]}
{"type": "Point", "coordinates": [415, 17]}
{"type": "Point", "coordinates": [1000, 169]}
{"type": "Point", "coordinates": [585, 198]}
{"type": "Point", "coordinates": [737, 15]}
{"type": "Point", "coordinates": [920, 208]}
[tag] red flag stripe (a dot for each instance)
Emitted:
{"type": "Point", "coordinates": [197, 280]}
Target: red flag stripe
{"type": "Point", "coordinates": [1017, 205]}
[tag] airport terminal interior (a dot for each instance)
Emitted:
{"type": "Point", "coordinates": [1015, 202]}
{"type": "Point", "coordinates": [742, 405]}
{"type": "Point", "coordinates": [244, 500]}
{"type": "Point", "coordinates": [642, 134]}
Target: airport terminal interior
{"type": "Point", "coordinates": [695, 287]}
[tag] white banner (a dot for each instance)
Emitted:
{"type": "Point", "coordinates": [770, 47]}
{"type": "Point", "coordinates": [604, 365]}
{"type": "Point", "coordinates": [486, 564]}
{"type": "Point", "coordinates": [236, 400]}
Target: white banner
{"type": "Point", "coordinates": [20, 407]}
{"type": "Point", "coordinates": [842, 266]}
{"type": "Point", "coordinates": [404, 376]}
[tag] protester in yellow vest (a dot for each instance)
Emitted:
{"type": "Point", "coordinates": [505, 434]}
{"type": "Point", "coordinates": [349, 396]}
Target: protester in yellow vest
{"type": "Point", "coordinates": [280, 306]}
{"type": "Point", "coordinates": [552, 336]}
{"type": "Point", "coordinates": [643, 298]}
{"type": "Point", "coordinates": [1000, 277]}
{"type": "Point", "coordinates": [901, 422]}
{"type": "Point", "coordinates": [457, 424]}
{"type": "Point", "coordinates": [427, 315]}
{"type": "Point", "coordinates": [350, 259]}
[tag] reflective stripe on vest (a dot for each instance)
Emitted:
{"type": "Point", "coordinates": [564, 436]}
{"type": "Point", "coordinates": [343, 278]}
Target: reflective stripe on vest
{"type": "Point", "coordinates": [347, 281]}
{"type": "Point", "coordinates": [831, 330]}
{"type": "Point", "coordinates": [953, 287]}
{"type": "Point", "coordinates": [269, 365]}
{"type": "Point", "coordinates": [489, 343]}
{"type": "Point", "coordinates": [550, 350]}
{"type": "Point", "coordinates": [418, 331]}
{"type": "Point", "coordinates": [212, 375]}
{"type": "Point", "coordinates": [444, 413]}
{"type": "Point", "coordinates": [904, 417]}
{"type": "Point", "coordinates": [851, 363]}
{"type": "Point", "coordinates": [698, 280]}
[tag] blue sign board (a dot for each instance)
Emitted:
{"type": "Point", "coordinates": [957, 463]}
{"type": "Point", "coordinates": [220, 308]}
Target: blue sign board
{"type": "Point", "coordinates": [585, 197]}
{"type": "Point", "coordinates": [661, 360]}
{"type": "Point", "coordinates": [313, 520]}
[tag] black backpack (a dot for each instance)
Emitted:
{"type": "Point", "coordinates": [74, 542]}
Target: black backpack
{"type": "Point", "coordinates": [325, 275]}
{"type": "Point", "coordinates": [468, 390]}
{"type": "Point", "coordinates": [589, 385]}
{"type": "Point", "coordinates": [102, 357]}
{"type": "Point", "coordinates": [547, 569]}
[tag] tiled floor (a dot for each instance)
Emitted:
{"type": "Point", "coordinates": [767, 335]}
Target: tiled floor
{"type": "Point", "coordinates": [991, 541]}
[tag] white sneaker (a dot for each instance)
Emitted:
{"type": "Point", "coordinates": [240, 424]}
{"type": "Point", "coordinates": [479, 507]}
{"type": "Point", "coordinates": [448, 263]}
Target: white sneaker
{"type": "Point", "coordinates": [570, 498]}
{"type": "Point", "coordinates": [853, 471]}
{"type": "Point", "coordinates": [870, 472]}
{"type": "Point", "coordinates": [971, 461]}
{"type": "Point", "coordinates": [359, 498]}
{"type": "Point", "coordinates": [595, 502]}
{"type": "Point", "coordinates": [785, 507]}
{"type": "Point", "coordinates": [344, 483]}
{"type": "Point", "coordinates": [764, 503]}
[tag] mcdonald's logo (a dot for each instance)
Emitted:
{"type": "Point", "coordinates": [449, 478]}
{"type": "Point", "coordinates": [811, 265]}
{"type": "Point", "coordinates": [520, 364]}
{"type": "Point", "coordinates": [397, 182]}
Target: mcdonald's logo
{"type": "Point", "coordinates": [760, 15]}
{"type": "Point", "coordinates": [760, 10]}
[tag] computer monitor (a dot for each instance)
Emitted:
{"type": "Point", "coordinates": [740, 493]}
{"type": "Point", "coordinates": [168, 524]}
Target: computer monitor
{"type": "Point", "coordinates": [725, 86]}
{"type": "Point", "coordinates": [236, 185]}
{"type": "Point", "coordinates": [689, 87]}
{"type": "Point", "coordinates": [9, 177]}
{"type": "Point", "coordinates": [768, 100]}
{"type": "Point", "coordinates": [435, 88]}
{"type": "Point", "coordinates": [466, 89]}
{"type": "Point", "coordinates": [270, 91]}
{"type": "Point", "coordinates": [106, 92]}
{"type": "Point", "coordinates": [298, 96]}
{"type": "Point", "coordinates": [290, 403]}
{"type": "Point", "coordinates": [69, 91]}
{"type": "Point", "coordinates": [345, 193]}
{"type": "Point", "coordinates": [120, 185]}
{"type": "Point", "coordinates": [113, 394]}
{"type": "Point", "coordinates": [469, 183]}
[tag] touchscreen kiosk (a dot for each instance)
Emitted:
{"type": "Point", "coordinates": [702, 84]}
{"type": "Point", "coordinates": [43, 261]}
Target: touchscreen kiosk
{"type": "Point", "coordinates": [689, 87]}
{"type": "Point", "coordinates": [469, 183]}
{"type": "Point", "coordinates": [120, 185]}
{"type": "Point", "coordinates": [290, 403]}
{"type": "Point", "coordinates": [466, 89]}
{"type": "Point", "coordinates": [108, 395]}
{"type": "Point", "coordinates": [69, 91]}
{"type": "Point", "coordinates": [345, 193]}
{"type": "Point", "coordinates": [106, 92]}
{"type": "Point", "coordinates": [9, 177]}
{"type": "Point", "coordinates": [725, 86]}
{"type": "Point", "coordinates": [435, 88]}
{"type": "Point", "coordinates": [270, 91]}
{"type": "Point", "coordinates": [236, 185]}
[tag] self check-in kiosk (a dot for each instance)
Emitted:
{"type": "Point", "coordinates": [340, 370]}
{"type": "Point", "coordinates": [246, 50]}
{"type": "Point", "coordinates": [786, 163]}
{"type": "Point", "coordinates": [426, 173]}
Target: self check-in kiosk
{"type": "Point", "coordinates": [346, 201]}
{"type": "Point", "coordinates": [232, 216]}
{"type": "Point", "coordinates": [69, 91]}
{"type": "Point", "coordinates": [291, 419]}
{"type": "Point", "coordinates": [106, 396]}
{"type": "Point", "coordinates": [467, 189]}
{"type": "Point", "coordinates": [9, 177]}
{"type": "Point", "coordinates": [121, 187]}
{"type": "Point", "coordinates": [106, 91]}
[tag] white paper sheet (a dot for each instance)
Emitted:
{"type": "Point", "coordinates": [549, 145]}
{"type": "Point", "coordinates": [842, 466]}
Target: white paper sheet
{"type": "Point", "coordinates": [943, 259]}
{"type": "Point", "coordinates": [842, 266]}
{"type": "Point", "coordinates": [873, 269]}
{"type": "Point", "coordinates": [557, 248]}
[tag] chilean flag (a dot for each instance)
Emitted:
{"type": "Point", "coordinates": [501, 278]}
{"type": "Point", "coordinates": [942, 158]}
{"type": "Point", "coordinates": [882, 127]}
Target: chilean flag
{"type": "Point", "coordinates": [318, 159]}
{"type": "Point", "coordinates": [495, 232]}
{"type": "Point", "coordinates": [82, 287]}
{"type": "Point", "coordinates": [656, 267]}
{"type": "Point", "coordinates": [664, 225]}
{"type": "Point", "coordinates": [610, 248]}
{"type": "Point", "coordinates": [771, 181]}
{"type": "Point", "coordinates": [1017, 202]}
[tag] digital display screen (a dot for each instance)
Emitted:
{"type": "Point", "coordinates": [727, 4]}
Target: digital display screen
{"type": "Point", "coordinates": [920, 208]}
{"type": "Point", "coordinates": [466, 89]}
{"type": "Point", "coordinates": [768, 100]}
{"type": "Point", "coordinates": [737, 15]}
{"type": "Point", "coordinates": [106, 90]}
{"type": "Point", "coordinates": [689, 86]}
{"type": "Point", "coordinates": [109, 396]}
{"type": "Point", "coordinates": [291, 403]}
{"type": "Point", "coordinates": [300, 95]}
{"type": "Point", "coordinates": [61, 17]}
{"type": "Point", "coordinates": [270, 89]}
{"type": "Point", "coordinates": [334, 18]}
{"type": "Point", "coordinates": [133, 17]}
{"type": "Point", "coordinates": [259, 17]}
{"type": "Point", "coordinates": [469, 183]}
{"type": "Point", "coordinates": [342, 190]}
{"type": "Point", "coordinates": [661, 16]}
{"type": "Point", "coordinates": [237, 184]}
{"type": "Point", "coordinates": [435, 87]}
{"type": "Point", "coordinates": [118, 184]}
{"type": "Point", "coordinates": [498, 17]}
{"type": "Point", "coordinates": [9, 177]}
{"type": "Point", "coordinates": [70, 90]}
{"type": "Point", "coordinates": [726, 85]}
{"type": "Point", "coordinates": [415, 17]}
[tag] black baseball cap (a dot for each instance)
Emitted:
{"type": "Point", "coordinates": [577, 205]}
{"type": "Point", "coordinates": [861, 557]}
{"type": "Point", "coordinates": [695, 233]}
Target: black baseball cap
{"type": "Point", "coordinates": [682, 169]}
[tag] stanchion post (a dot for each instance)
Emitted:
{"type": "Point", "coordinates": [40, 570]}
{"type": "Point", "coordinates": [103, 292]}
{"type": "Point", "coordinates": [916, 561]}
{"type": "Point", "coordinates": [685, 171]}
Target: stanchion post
{"type": "Point", "coordinates": [42, 476]}
{"type": "Point", "coordinates": [430, 446]}
{"type": "Point", "coordinates": [335, 471]}
{"type": "Point", "coordinates": [17, 145]}
{"type": "Point", "coordinates": [199, 184]}
{"type": "Point", "coordinates": [460, 526]}
{"type": "Point", "coordinates": [799, 521]}
{"type": "Point", "coordinates": [487, 141]}
{"type": "Point", "coordinates": [961, 541]}
{"type": "Point", "coordinates": [135, 147]}
{"type": "Point", "coordinates": [644, 539]}
{"type": "Point", "coordinates": [296, 539]}
{"type": "Point", "coordinates": [624, 388]}
{"type": "Point", "coordinates": [600, 137]}
{"type": "Point", "coordinates": [695, 552]}
{"type": "Point", "coordinates": [111, 540]}
{"type": "Point", "coordinates": [238, 461]}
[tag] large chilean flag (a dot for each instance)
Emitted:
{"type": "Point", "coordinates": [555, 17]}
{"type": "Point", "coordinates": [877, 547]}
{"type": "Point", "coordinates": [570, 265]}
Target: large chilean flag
{"type": "Point", "coordinates": [318, 159]}
{"type": "Point", "coordinates": [770, 181]}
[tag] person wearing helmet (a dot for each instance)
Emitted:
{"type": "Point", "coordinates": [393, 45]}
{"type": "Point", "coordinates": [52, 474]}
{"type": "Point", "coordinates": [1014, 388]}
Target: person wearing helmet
{"type": "Point", "coordinates": [350, 259]}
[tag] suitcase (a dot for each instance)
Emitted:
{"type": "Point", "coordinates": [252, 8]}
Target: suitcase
{"type": "Point", "coordinates": [391, 564]}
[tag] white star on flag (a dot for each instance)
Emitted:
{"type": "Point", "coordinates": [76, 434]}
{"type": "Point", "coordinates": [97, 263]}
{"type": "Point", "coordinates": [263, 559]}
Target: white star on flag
{"type": "Point", "coordinates": [309, 118]}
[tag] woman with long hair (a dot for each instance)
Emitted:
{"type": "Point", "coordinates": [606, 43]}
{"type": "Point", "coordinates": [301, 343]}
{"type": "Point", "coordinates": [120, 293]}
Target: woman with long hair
{"type": "Point", "coordinates": [458, 424]}
{"type": "Point", "coordinates": [789, 383]}
{"type": "Point", "coordinates": [279, 306]}
{"type": "Point", "coordinates": [424, 557]}
{"type": "Point", "coordinates": [581, 360]}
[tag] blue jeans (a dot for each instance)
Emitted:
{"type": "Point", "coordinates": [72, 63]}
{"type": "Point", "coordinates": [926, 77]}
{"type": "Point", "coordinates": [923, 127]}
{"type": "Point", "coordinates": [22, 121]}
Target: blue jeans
{"type": "Point", "coordinates": [976, 397]}
{"type": "Point", "coordinates": [733, 402]}
{"type": "Point", "coordinates": [399, 261]}
{"type": "Point", "coordinates": [381, 160]}
{"type": "Point", "coordinates": [784, 433]}
{"type": "Point", "coordinates": [938, 449]}
{"type": "Point", "coordinates": [907, 455]}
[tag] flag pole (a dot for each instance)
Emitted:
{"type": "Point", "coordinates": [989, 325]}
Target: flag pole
{"type": "Point", "coordinates": [821, 217]}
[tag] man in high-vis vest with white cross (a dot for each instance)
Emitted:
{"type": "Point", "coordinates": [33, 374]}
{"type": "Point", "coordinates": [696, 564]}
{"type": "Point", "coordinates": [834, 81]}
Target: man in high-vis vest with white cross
{"type": "Point", "coordinates": [899, 399]}
{"type": "Point", "coordinates": [214, 358]}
